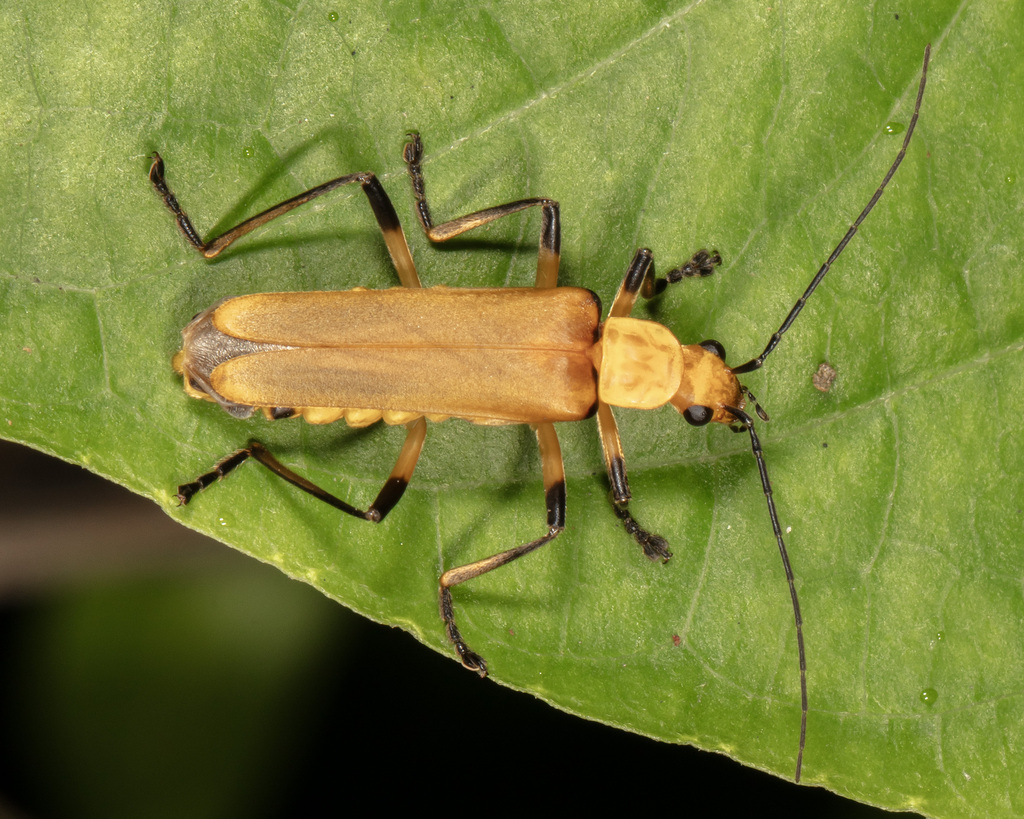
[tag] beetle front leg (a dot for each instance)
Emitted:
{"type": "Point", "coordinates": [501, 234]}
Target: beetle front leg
{"type": "Point", "coordinates": [640, 279]}
{"type": "Point", "coordinates": [654, 546]}
{"type": "Point", "coordinates": [554, 496]}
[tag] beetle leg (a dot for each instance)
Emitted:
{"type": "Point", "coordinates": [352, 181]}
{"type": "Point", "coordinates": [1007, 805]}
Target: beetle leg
{"type": "Point", "coordinates": [387, 498]}
{"type": "Point", "coordinates": [702, 263]}
{"type": "Point", "coordinates": [393, 489]}
{"type": "Point", "coordinates": [554, 496]}
{"type": "Point", "coordinates": [550, 230]}
{"type": "Point", "coordinates": [383, 210]}
{"type": "Point", "coordinates": [654, 546]}
{"type": "Point", "coordinates": [641, 280]}
{"type": "Point", "coordinates": [638, 272]}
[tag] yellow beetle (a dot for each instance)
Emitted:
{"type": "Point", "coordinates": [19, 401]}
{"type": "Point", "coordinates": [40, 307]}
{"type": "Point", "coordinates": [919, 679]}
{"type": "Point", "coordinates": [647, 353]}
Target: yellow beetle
{"type": "Point", "coordinates": [536, 356]}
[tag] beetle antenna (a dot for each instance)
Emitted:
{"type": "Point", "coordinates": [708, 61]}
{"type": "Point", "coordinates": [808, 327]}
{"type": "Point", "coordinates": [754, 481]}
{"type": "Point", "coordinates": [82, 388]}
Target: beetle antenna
{"type": "Point", "coordinates": [755, 363]}
{"type": "Point", "coordinates": [766, 484]}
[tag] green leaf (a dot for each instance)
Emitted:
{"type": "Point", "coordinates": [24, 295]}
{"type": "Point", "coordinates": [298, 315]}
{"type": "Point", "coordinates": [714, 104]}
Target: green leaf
{"type": "Point", "coordinates": [760, 131]}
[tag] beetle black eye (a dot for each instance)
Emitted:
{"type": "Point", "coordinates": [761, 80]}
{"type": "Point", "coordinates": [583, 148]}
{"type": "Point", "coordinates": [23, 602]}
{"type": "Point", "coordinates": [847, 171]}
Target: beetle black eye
{"type": "Point", "coordinates": [697, 415]}
{"type": "Point", "coordinates": [714, 347]}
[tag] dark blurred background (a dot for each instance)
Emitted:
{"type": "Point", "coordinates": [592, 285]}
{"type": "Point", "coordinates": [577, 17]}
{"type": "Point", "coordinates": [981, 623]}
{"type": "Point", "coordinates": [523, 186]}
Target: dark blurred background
{"type": "Point", "coordinates": [147, 671]}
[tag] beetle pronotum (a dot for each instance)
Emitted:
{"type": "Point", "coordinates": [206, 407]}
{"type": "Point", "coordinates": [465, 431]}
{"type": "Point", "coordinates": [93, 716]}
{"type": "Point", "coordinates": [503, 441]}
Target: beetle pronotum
{"type": "Point", "coordinates": [412, 354]}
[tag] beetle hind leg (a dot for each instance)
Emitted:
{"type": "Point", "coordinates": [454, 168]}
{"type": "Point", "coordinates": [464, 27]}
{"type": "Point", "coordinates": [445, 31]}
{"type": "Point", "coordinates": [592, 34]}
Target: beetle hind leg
{"type": "Point", "coordinates": [380, 204]}
{"type": "Point", "coordinates": [386, 500]}
{"type": "Point", "coordinates": [554, 496]}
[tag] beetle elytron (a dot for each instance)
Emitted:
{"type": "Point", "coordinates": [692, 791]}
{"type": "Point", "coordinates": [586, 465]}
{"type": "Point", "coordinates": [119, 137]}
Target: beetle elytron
{"type": "Point", "coordinates": [412, 354]}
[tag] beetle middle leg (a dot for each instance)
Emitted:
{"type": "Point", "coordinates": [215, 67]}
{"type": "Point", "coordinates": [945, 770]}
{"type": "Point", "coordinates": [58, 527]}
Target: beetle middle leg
{"type": "Point", "coordinates": [554, 496]}
{"type": "Point", "coordinates": [386, 500]}
{"type": "Point", "coordinates": [381, 205]}
{"type": "Point", "coordinates": [550, 230]}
